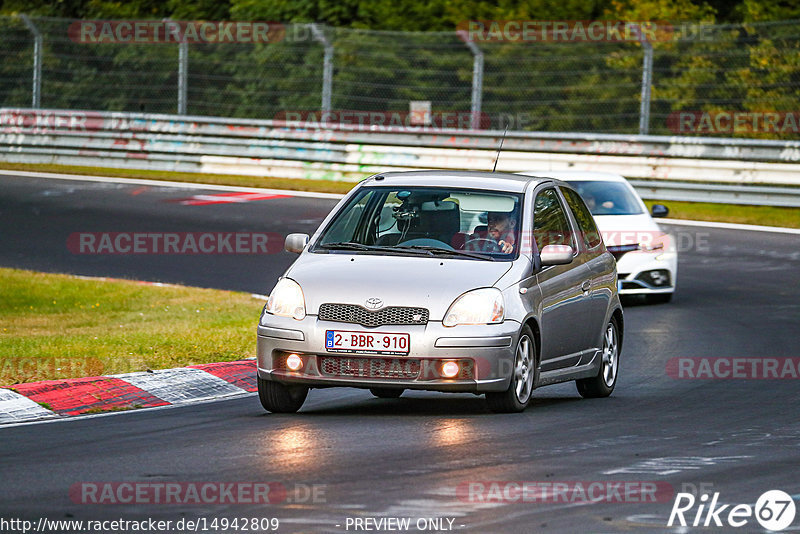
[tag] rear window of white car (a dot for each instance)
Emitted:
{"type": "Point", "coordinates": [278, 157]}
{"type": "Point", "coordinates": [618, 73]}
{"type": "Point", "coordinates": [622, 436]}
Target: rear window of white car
{"type": "Point", "coordinates": [608, 198]}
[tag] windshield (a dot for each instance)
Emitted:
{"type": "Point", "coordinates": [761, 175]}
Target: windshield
{"type": "Point", "coordinates": [608, 198]}
{"type": "Point", "coordinates": [461, 223]}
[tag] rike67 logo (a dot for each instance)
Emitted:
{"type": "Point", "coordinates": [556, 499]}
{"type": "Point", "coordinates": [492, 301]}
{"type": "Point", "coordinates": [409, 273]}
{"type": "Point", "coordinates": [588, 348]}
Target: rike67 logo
{"type": "Point", "coordinates": [774, 510]}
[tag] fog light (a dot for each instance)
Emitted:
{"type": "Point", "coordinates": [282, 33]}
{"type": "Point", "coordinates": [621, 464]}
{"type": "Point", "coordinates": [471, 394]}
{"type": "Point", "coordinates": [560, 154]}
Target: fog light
{"type": "Point", "coordinates": [656, 278]}
{"type": "Point", "coordinates": [450, 369]}
{"type": "Point", "coordinates": [294, 362]}
{"type": "Point", "coordinates": [659, 278]}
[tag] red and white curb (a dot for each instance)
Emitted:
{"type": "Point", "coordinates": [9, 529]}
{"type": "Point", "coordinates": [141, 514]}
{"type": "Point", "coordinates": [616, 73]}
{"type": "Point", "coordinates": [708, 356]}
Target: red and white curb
{"type": "Point", "coordinates": [77, 396]}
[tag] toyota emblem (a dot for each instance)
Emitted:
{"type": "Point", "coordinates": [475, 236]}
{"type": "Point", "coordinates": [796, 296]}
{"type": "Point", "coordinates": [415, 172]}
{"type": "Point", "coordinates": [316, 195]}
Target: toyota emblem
{"type": "Point", "coordinates": [374, 303]}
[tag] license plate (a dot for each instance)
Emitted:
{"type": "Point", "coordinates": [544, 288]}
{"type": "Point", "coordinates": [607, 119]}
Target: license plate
{"type": "Point", "coordinates": [369, 342]}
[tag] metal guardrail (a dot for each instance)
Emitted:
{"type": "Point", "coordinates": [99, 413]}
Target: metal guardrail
{"type": "Point", "coordinates": [345, 152]}
{"type": "Point", "coordinates": [788, 197]}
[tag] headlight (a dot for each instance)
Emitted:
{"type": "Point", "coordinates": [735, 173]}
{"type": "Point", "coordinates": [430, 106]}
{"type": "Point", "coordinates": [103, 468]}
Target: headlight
{"type": "Point", "coordinates": [287, 300]}
{"type": "Point", "coordinates": [657, 243]}
{"type": "Point", "coordinates": [479, 306]}
{"type": "Point", "coordinates": [663, 244]}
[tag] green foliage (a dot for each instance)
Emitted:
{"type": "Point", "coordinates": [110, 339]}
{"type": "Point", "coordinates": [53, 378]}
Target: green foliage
{"type": "Point", "coordinates": [431, 15]}
{"type": "Point", "coordinates": [408, 15]}
{"type": "Point", "coordinates": [766, 10]}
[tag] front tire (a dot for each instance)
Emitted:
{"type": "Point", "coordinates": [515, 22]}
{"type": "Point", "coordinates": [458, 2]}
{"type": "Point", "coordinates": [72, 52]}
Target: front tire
{"type": "Point", "coordinates": [279, 398]}
{"type": "Point", "coordinates": [526, 372]}
{"type": "Point", "coordinates": [603, 384]}
{"type": "Point", "coordinates": [387, 393]}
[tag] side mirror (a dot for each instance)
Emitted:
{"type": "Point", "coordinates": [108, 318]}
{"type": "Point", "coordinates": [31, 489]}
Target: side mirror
{"type": "Point", "coordinates": [659, 210]}
{"type": "Point", "coordinates": [556, 255]}
{"type": "Point", "coordinates": [295, 243]}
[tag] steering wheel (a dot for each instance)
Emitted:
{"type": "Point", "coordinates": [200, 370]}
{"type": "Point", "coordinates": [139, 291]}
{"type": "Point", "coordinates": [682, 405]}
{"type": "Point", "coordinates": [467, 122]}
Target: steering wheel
{"type": "Point", "coordinates": [480, 244]}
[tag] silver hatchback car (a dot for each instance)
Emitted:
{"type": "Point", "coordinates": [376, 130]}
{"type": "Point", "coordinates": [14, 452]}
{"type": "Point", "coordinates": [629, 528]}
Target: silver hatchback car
{"type": "Point", "coordinates": [445, 281]}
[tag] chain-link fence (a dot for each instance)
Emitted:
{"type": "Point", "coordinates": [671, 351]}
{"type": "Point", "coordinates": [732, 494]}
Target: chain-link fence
{"type": "Point", "coordinates": [304, 69]}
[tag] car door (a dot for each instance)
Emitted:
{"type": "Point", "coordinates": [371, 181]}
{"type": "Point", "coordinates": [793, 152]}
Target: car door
{"type": "Point", "coordinates": [564, 288]}
{"type": "Point", "coordinates": [601, 267]}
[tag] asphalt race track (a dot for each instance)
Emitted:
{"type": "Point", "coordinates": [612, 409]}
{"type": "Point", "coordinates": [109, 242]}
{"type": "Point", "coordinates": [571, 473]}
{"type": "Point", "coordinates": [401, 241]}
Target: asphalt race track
{"type": "Point", "coordinates": [38, 217]}
{"type": "Point", "coordinates": [738, 297]}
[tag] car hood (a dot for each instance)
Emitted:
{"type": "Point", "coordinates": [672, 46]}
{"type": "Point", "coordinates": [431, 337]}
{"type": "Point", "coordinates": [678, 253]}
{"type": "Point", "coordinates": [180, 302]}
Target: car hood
{"type": "Point", "coordinates": [627, 229]}
{"type": "Point", "coordinates": [428, 282]}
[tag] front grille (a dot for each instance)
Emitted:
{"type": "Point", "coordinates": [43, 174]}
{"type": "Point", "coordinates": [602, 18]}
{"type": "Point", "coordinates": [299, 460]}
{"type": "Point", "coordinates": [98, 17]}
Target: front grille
{"type": "Point", "coordinates": [370, 367]}
{"type": "Point", "coordinates": [393, 315]}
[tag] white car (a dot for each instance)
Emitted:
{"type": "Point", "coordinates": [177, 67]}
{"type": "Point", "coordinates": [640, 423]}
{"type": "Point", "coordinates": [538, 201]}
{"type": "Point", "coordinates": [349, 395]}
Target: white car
{"type": "Point", "coordinates": [647, 258]}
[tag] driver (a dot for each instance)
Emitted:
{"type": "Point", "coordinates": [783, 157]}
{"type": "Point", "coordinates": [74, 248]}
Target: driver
{"type": "Point", "coordinates": [499, 233]}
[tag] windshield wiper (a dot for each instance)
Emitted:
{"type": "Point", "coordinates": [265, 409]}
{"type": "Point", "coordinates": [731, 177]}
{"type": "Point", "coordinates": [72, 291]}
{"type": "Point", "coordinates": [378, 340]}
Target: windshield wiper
{"type": "Point", "coordinates": [448, 252]}
{"type": "Point", "coordinates": [349, 245]}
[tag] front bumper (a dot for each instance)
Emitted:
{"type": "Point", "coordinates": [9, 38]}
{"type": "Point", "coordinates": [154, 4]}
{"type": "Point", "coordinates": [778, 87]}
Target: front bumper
{"type": "Point", "coordinates": [633, 269]}
{"type": "Point", "coordinates": [485, 353]}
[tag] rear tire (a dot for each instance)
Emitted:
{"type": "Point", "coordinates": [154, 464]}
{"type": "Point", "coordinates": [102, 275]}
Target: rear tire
{"type": "Point", "coordinates": [279, 398]}
{"type": "Point", "coordinates": [387, 393]}
{"type": "Point", "coordinates": [603, 384]}
{"type": "Point", "coordinates": [523, 380]}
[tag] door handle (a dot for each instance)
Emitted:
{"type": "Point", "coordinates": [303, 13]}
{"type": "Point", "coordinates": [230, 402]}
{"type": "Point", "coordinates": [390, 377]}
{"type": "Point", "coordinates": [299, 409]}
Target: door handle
{"type": "Point", "coordinates": [586, 285]}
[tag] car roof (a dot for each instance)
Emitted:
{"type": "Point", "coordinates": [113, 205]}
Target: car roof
{"type": "Point", "coordinates": [578, 176]}
{"type": "Point", "coordinates": [490, 181]}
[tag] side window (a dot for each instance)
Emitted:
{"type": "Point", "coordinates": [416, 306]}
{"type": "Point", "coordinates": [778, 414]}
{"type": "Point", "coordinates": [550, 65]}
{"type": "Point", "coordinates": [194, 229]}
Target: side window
{"type": "Point", "coordinates": [550, 225]}
{"type": "Point", "coordinates": [344, 228]}
{"type": "Point", "coordinates": [591, 236]}
{"type": "Point", "coordinates": [387, 224]}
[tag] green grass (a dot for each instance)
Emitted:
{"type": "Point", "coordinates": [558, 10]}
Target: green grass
{"type": "Point", "coordinates": [733, 213]}
{"type": "Point", "coordinates": [58, 326]}
{"type": "Point", "coordinates": [321, 186]}
{"type": "Point", "coordinates": [700, 211]}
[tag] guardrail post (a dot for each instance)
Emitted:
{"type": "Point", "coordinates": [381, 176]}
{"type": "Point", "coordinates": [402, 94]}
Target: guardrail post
{"type": "Point", "coordinates": [183, 75]}
{"type": "Point", "coordinates": [37, 62]}
{"type": "Point", "coordinates": [327, 67]}
{"type": "Point", "coordinates": [647, 80]}
{"type": "Point", "coordinates": [477, 81]}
